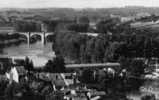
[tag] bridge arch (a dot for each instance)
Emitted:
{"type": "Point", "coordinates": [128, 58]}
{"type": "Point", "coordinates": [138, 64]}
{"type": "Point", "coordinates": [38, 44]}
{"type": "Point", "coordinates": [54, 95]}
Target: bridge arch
{"type": "Point", "coordinates": [37, 36]}
{"type": "Point", "coordinates": [28, 35]}
{"type": "Point", "coordinates": [47, 35]}
{"type": "Point", "coordinates": [41, 34]}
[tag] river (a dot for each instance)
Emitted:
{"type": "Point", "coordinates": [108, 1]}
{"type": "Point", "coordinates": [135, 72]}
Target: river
{"type": "Point", "coordinates": [37, 52]}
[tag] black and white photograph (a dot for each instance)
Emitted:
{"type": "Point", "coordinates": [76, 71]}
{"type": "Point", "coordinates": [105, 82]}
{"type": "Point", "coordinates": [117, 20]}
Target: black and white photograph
{"type": "Point", "coordinates": [79, 49]}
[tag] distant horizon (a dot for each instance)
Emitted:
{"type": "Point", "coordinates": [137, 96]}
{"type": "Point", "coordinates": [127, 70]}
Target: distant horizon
{"type": "Point", "coordinates": [131, 6]}
{"type": "Point", "coordinates": [77, 4]}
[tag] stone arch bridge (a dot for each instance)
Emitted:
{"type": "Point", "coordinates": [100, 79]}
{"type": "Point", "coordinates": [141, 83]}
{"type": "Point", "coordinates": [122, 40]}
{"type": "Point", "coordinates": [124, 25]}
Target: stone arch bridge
{"type": "Point", "coordinates": [43, 36]}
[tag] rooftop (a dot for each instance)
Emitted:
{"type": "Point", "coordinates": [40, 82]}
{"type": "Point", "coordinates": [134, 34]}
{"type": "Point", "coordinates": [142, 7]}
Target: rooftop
{"type": "Point", "coordinates": [57, 78]}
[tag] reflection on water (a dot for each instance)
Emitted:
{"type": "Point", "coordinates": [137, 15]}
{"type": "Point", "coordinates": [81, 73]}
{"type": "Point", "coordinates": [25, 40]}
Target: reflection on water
{"type": "Point", "coordinates": [39, 53]}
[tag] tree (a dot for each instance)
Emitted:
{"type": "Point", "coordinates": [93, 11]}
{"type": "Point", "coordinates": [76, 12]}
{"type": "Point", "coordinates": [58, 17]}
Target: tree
{"type": "Point", "coordinates": [135, 70]}
{"type": "Point", "coordinates": [27, 26]}
{"type": "Point", "coordinates": [87, 76]}
{"type": "Point", "coordinates": [99, 49]}
{"type": "Point", "coordinates": [57, 65]}
{"type": "Point", "coordinates": [83, 20]}
{"type": "Point", "coordinates": [51, 24]}
{"type": "Point", "coordinates": [5, 65]}
{"type": "Point", "coordinates": [28, 64]}
{"type": "Point", "coordinates": [110, 52]}
{"type": "Point", "coordinates": [89, 51]}
{"type": "Point", "coordinates": [12, 90]}
{"type": "Point", "coordinates": [78, 27]}
{"type": "Point", "coordinates": [107, 25]}
{"type": "Point", "coordinates": [31, 66]}
{"type": "Point", "coordinates": [49, 67]}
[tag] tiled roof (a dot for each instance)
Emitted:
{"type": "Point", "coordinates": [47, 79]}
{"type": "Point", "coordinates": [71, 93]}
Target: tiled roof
{"type": "Point", "coordinates": [55, 78]}
{"type": "Point", "coordinates": [21, 70]}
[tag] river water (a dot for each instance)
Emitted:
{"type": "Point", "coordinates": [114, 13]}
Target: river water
{"type": "Point", "coordinates": [37, 52]}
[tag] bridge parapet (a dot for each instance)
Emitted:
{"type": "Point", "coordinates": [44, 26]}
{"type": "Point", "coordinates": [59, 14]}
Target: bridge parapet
{"type": "Point", "coordinates": [23, 33]}
{"type": "Point", "coordinates": [36, 33]}
{"type": "Point", "coordinates": [49, 33]}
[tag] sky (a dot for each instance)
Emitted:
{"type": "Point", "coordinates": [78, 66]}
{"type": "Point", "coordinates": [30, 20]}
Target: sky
{"type": "Point", "coordinates": [76, 3]}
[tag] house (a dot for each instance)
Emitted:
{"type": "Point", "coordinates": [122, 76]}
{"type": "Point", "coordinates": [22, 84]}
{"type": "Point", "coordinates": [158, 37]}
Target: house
{"type": "Point", "coordinates": [59, 79]}
{"type": "Point", "coordinates": [84, 95]}
{"type": "Point", "coordinates": [12, 75]}
{"type": "Point", "coordinates": [16, 60]}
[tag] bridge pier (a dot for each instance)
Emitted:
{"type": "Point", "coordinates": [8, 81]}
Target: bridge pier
{"type": "Point", "coordinates": [43, 40]}
{"type": "Point", "coordinates": [28, 39]}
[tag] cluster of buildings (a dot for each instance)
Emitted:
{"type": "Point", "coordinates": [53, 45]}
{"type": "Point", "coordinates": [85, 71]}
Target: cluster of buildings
{"type": "Point", "coordinates": [50, 84]}
{"type": "Point", "coordinates": [65, 85]}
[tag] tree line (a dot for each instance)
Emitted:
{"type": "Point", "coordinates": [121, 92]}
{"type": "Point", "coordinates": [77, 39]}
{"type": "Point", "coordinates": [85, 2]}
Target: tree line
{"type": "Point", "coordinates": [104, 48]}
{"type": "Point", "coordinates": [35, 26]}
{"type": "Point", "coordinates": [27, 26]}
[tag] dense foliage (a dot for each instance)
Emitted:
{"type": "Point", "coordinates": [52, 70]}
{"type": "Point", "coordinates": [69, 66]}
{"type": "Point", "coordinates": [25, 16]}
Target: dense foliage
{"type": "Point", "coordinates": [28, 64]}
{"type": "Point", "coordinates": [27, 26]}
{"type": "Point", "coordinates": [129, 80]}
{"type": "Point", "coordinates": [57, 65]}
{"type": "Point", "coordinates": [103, 48]}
